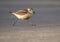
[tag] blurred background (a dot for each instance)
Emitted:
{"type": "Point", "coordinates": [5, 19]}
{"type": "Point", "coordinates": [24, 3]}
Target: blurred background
{"type": "Point", "coordinates": [46, 18]}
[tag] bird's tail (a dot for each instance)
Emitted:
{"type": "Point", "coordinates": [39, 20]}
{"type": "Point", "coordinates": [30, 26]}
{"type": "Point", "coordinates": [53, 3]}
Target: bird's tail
{"type": "Point", "coordinates": [10, 12]}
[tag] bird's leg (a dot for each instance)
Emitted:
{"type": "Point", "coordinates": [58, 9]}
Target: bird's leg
{"type": "Point", "coordinates": [31, 23]}
{"type": "Point", "coordinates": [15, 22]}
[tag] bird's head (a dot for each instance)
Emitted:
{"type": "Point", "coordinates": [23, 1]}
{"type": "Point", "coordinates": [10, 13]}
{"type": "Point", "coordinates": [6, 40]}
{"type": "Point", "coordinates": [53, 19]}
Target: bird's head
{"type": "Point", "coordinates": [30, 10]}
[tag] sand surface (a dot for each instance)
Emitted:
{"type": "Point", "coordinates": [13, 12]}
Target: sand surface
{"type": "Point", "coordinates": [30, 34]}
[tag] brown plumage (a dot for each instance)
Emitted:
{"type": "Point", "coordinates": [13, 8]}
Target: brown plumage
{"type": "Point", "coordinates": [21, 12]}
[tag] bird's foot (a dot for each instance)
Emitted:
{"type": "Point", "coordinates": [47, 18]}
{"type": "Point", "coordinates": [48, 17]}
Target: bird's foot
{"type": "Point", "coordinates": [33, 24]}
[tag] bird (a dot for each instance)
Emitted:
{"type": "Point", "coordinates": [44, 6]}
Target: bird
{"type": "Point", "coordinates": [23, 14]}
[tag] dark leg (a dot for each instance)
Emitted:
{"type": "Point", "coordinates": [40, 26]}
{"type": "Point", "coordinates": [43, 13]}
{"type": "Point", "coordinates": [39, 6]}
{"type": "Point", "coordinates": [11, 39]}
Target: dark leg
{"type": "Point", "coordinates": [15, 22]}
{"type": "Point", "coordinates": [31, 23]}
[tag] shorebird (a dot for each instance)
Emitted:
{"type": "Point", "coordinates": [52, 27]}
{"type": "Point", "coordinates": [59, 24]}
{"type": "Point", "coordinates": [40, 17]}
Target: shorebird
{"type": "Point", "coordinates": [23, 14]}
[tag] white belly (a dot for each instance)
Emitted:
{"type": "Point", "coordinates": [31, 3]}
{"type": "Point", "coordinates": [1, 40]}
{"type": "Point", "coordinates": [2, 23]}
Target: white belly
{"type": "Point", "coordinates": [22, 16]}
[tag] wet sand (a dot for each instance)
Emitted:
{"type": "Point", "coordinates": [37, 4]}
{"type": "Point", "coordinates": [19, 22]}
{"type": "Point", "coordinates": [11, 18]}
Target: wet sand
{"type": "Point", "coordinates": [30, 34]}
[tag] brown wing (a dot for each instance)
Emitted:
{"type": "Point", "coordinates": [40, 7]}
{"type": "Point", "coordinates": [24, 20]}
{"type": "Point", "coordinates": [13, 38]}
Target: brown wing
{"type": "Point", "coordinates": [22, 12]}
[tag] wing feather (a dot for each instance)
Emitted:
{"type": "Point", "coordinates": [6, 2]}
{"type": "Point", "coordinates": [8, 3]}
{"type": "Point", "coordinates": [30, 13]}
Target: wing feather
{"type": "Point", "coordinates": [22, 12]}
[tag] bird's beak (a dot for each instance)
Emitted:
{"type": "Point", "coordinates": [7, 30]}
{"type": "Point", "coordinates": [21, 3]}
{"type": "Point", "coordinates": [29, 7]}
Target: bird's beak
{"type": "Point", "coordinates": [33, 12]}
